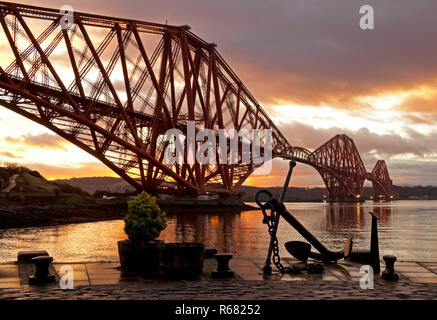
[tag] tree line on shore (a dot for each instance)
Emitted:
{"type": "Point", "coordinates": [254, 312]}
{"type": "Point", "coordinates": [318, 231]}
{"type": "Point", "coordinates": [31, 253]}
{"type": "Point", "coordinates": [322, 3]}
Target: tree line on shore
{"type": "Point", "coordinates": [99, 186]}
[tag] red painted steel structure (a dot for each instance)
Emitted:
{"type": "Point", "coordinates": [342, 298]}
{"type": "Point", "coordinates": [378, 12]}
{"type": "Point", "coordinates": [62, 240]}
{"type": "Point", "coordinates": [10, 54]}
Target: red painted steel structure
{"type": "Point", "coordinates": [381, 181]}
{"type": "Point", "coordinates": [113, 87]}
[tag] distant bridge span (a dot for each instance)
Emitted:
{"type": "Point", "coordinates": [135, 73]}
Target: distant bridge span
{"type": "Point", "coordinates": [113, 86]}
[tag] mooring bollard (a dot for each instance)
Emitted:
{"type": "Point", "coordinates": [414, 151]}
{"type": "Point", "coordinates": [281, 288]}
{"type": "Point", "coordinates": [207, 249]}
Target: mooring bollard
{"type": "Point", "coordinates": [26, 256]}
{"type": "Point", "coordinates": [209, 252]}
{"type": "Point", "coordinates": [389, 272]}
{"type": "Point", "coordinates": [223, 270]}
{"type": "Point", "coordinates": [42, 273]}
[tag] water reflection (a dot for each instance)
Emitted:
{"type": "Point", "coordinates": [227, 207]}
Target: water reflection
{"type": "Point", "coordinates": [355, 215]}
{"type": "Point", "coordinates": [345, 216]}
{"type": "Point", "coordinates": [406, 228]}
{"type": "Point", "coordinates": [228, 232]}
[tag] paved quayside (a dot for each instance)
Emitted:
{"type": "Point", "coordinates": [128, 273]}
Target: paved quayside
{"type": "Point", "coordinates": [418, 280]}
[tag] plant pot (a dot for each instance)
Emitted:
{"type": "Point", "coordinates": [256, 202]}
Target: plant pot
{"type": "Point", "coordinates": [139, 257]}
{"type": "Point", "coordinates": [184, 259]}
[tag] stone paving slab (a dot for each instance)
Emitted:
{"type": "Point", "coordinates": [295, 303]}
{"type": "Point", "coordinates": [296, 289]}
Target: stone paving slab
{"type": "Point", "coordinates": [415, 278]}
{"type": "Point", "coordinates": [231, 290]}
{"type": "Point", "coordinates": [245, 268]}
{"type": "Point", "coordinates": [411, 268]}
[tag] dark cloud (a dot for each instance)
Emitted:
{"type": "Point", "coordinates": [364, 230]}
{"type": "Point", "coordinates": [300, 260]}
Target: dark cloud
{"type": "Point", "coordinates": [44, 140]}
{"type": "Point", "coordinates": [307, 51]}
{"type": "Point", "coordinates": [386, 145]}
{"type": "Point", "coordinates": [372, 147]}
{"type": "Point", "coordinates": [414, 172]}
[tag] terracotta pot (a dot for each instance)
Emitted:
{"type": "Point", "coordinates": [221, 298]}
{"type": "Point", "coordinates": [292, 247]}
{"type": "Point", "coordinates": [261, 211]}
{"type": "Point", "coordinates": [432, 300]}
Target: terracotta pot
{"type": "Point", "coordinates": [139, 257]}
{"type": "Point", "coordinates": [184, 259]}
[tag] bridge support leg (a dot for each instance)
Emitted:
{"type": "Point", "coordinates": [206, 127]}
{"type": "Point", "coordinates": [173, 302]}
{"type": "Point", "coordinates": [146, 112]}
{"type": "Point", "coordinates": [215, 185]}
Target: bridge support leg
{"type": "Point", "coordinates": [345, 199]}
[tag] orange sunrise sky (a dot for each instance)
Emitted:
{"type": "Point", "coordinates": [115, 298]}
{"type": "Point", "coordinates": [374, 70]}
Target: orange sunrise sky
{"type": "Point", "coordinates": [310, 66]}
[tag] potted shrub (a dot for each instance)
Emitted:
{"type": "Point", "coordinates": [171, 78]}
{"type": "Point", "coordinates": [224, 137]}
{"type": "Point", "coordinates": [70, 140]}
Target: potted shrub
{"type": "Point", "coordinates": [143, 224]}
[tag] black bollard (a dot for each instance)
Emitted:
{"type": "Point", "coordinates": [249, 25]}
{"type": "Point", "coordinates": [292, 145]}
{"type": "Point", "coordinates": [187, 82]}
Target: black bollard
{"type": "Point", "coordinates": [389, 272]}
{"type": "Point", "coordinates": [223, 270]}
{"type": "Point", "coordinates": [209, 252]}
{"type": "Point", "coordinates": [42, 273]}
{"type": "Point", "coordinates": [26, 256]}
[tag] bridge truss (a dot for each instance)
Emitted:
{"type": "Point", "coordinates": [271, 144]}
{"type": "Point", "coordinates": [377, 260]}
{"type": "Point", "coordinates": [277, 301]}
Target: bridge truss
{"type": "Point", "coordinates": [114, 86]}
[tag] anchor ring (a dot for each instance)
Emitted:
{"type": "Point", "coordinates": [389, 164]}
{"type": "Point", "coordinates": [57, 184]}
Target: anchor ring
{"type": "Point", "coordinates": [258, 199]}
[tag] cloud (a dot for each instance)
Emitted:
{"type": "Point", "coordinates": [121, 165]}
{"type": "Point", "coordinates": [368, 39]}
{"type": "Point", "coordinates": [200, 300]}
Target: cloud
{"type": "Point", "coordinates": [9, 155]}
{"type": "Point", "coordinates": [411, 159]}
{"type": "Point", "coordinates": [414, 172]}
{"type": "Point", "coordinates": [306, 51]}
{"type": "Point", "coordinates": [421, 108]}
{"type": "Point", "coordinates": [43, 140]}
{"type": "Point", "coordinates": [387, 145]}
{"type": "Point", "coordinates": [426, 119]}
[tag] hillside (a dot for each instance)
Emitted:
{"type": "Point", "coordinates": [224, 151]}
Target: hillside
{"type": "Point", "coordinates": [93, 184]}
{"type": "Point", "coordinates": [316, 194]}
{"type": "Point", "coordinates": [28, 183]}
{"type": "Point", "coordinates": [25, 180]}
{"type": "Point", "coordinates": [293, 194]}
{"type": "Point", "coordinates": [117, 185]}
{"type": "Point", "coordinates": [31, 181]}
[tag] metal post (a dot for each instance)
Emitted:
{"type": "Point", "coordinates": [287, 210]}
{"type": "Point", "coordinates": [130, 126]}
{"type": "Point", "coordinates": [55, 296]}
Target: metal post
{"type": "Point", "coordinates": [267, 269]}
{"type": "Point", "coordinates": [287, 181]}
{"type": "Point", "coordinates": [374, 246]}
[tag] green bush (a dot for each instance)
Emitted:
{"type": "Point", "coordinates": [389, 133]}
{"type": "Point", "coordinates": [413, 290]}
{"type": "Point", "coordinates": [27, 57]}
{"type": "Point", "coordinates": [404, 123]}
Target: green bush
{"type": "Point", "coordinates": [145, 220]}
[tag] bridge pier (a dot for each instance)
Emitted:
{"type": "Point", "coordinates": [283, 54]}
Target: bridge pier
{"type": "Point", "coordinates": [345, 199]}
{"type": "Point", "coordinates": [381, 197]}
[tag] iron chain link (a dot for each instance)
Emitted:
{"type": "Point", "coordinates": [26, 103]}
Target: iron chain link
{"type": "Point", "coordinates": [270, 220]}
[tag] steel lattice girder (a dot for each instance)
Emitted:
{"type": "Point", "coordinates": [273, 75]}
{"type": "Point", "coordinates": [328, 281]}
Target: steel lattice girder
{"type": "Point", "coordinates": [341, 156]}
{"type": "Point", "coordinates": [114, 86]}
{"type": "Point", "coordinates": [381, 181]}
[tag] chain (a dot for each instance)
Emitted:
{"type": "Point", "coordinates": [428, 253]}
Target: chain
{"type": "Point", "coordinates": [270, 220]}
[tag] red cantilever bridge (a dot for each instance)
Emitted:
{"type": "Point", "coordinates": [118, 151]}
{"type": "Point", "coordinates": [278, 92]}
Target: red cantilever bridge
{"type": "Point", "coordinates": [113, 87]}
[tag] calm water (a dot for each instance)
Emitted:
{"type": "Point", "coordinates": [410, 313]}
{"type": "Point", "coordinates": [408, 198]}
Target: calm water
{"type": "Point", "coordinates": [407, 229]}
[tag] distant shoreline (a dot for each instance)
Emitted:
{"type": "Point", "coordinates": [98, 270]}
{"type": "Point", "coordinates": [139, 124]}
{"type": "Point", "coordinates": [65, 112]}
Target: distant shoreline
{"type": "Point", "coordinates": [22, 216]}
{"type": "Point", "coordinates": [52, 215]}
